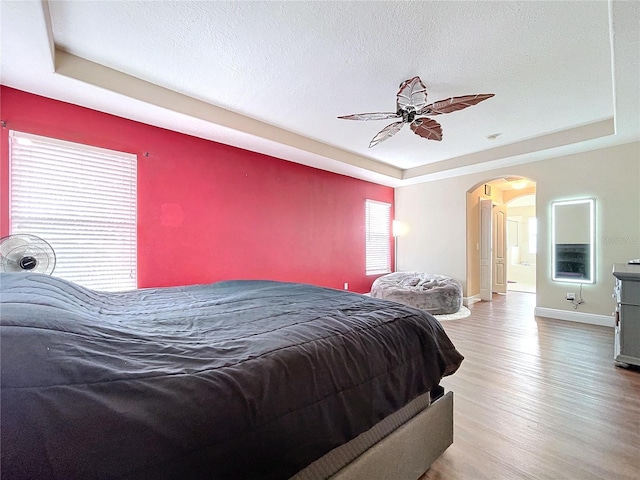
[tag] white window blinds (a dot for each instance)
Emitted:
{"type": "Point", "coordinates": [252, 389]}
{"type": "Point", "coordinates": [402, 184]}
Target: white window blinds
{"type": "Point", "coordinates": [80, 199]}
{"type": "Point", "coordinates": [378, 244]}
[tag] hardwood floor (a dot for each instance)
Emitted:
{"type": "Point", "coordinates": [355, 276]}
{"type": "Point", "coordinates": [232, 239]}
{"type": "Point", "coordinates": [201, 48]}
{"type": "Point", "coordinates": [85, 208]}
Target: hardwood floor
{"type": "Point", "coordinates": [537, 398]}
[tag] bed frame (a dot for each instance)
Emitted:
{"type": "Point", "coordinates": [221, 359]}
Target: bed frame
{"type": "Point", "coordinates": [406, 453]}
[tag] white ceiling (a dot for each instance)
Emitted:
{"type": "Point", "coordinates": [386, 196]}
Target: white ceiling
{"type": "Point", "coordinates": [273, 76]}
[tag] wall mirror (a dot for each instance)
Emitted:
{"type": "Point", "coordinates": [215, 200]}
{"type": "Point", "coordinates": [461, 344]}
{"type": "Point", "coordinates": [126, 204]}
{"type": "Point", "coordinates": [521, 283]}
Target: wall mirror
{"type": "Point", "coordinates": [572, 241]}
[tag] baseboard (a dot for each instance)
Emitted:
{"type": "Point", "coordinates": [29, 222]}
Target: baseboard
{"type": "Point", "coordinates": [580, 317]}
{"type": "Point", "coordinates": [467, 301]}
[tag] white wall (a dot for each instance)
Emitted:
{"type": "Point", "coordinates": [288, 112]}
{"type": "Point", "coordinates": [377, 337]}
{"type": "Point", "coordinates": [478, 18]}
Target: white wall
{"type": "Point", "coordinates": [434, 215]}
{"type": "Point", "coordinates": [433, 219]}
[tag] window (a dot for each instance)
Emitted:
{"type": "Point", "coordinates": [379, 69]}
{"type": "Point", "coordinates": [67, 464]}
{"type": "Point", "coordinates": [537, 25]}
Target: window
{"type": "Point", "coordinates": [378, 244]}
{"type": "Point", "coordinates": [80, 199]}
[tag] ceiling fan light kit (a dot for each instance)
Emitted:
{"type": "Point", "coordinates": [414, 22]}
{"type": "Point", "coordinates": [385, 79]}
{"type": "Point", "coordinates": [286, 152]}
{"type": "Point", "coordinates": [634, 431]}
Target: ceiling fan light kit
{"type": "Point", "coordinates": [411, 102]}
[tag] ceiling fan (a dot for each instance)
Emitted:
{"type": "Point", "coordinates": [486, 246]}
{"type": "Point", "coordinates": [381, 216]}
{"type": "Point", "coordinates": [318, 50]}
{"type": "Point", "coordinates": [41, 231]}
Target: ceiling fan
{"type": "Point", "coordinates": [411, 103]}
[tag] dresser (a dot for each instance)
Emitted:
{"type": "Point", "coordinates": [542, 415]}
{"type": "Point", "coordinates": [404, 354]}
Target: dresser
{"type": "Point", "coordinates": [627, 295]}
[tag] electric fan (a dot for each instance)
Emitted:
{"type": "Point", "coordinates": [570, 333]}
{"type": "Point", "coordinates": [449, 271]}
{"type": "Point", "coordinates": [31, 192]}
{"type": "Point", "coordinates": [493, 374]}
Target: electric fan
{"type": "Point", "coordinates": [26, 253]}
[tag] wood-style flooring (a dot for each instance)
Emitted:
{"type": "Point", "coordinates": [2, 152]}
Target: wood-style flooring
{"type": "Point", "coordinates": [537, 398]}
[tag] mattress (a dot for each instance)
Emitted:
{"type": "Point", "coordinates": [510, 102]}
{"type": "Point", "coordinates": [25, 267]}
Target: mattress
{"type": "Point", "coordinates": [232, 380]}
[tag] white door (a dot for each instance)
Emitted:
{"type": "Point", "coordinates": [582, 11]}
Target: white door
{"type": "Point", "coordinates": [500, 249]}
{"type": "Point", "coordinates": [486, 233]}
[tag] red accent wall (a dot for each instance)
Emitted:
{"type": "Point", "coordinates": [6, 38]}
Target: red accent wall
{"type": "Point", "coordinates": [209, 212]}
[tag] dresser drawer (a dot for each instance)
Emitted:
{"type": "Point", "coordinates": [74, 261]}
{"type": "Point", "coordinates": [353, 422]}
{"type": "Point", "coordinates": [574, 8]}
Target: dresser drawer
{"type": "Point", "coordinates": [630, 330]}
{"type": "Point", "coordinates": [628, 292]}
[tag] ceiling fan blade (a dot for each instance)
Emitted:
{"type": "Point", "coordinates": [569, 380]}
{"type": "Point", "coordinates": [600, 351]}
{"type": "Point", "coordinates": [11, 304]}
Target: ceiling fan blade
{"type": "Point", "coordinates": [370, 116]}
{"type": "Point", "coordinates": [387, 132]}
{"type": "Point", "coordinates": [412, 93]}
{"type": "Point", "coordinates": [427, 128]}
{"type": "Point", "coordinates": [454, 104]}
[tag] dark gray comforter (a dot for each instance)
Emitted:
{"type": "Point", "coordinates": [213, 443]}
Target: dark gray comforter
{"type": "Point", "coordinates": [233, 380]}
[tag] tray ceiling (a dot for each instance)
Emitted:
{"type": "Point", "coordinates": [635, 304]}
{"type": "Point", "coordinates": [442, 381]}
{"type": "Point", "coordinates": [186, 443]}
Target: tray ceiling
{"type": "Point", "coordinates": [274, 76]}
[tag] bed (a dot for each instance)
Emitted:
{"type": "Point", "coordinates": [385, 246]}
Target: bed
{"type": "Point", "coordinates": [231, 380]}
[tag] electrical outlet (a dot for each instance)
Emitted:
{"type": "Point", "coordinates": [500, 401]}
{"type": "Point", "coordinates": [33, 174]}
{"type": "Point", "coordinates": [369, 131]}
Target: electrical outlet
{"type": "Point", "coordinates": [571, 297]}
{"type": "Point", "coordinates": [346, 286]}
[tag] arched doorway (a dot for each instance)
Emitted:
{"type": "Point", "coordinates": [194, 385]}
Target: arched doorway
{"type": "Point", "coordinates": [498, 193]}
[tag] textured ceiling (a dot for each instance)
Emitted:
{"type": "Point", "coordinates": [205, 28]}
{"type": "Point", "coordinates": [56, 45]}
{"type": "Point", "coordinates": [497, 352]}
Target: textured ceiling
{"type": "Point", "coordinates": [273, 76]}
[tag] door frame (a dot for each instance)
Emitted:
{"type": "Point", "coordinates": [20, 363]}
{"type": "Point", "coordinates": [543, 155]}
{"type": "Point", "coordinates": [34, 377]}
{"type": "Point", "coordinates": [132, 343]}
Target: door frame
{"type": "Point", "coordinates": [486, 249]}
